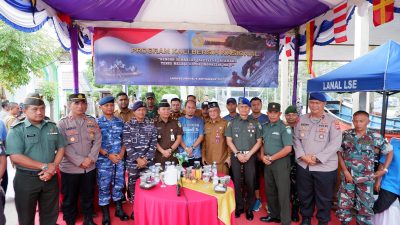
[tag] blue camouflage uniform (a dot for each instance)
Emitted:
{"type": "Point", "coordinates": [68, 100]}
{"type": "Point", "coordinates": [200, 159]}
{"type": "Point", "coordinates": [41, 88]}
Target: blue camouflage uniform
{"type": "Point", "coordinates": [140, 140]}
{"type": "Point", "coordinates": [358, 154]}
{"type": "Point", "coordinates": [109, 173]}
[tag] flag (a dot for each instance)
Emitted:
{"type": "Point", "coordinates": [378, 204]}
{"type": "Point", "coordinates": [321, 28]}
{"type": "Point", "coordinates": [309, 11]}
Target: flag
{"type": "Point", "coordinates": [288, 39]}
{"type": "Point", "coordinates": [382, 11]}
{"type": "Point", "coordinates": [310, 27]}
{"type": "Point", "coordinates": [339, 22]}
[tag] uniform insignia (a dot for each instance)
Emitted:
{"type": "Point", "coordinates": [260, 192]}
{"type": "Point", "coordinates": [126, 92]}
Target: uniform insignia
{"type": "Point", "coordinates": [179, 124]}
{"type": "Point", "coordinates": [289, 130]}
{"type": "Point", "coordinates": [337, 124]}
{"type": "Point", "coordinates": [259, 126]}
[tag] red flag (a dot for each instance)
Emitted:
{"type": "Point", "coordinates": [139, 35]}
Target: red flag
{"type": "Point", "coordinates": [382, 11]}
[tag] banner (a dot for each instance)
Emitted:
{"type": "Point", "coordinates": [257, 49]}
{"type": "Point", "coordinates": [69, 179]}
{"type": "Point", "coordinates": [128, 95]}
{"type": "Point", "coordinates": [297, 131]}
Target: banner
{"type": "Point", "coordinates": [185, 58]}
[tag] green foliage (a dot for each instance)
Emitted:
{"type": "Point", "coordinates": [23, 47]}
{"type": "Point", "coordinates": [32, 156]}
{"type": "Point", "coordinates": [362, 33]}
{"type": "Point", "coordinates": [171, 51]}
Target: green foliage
{"type": "Point", "coordinates": [48, 90]}
{"type": "Point", "coordinates": [21, 53]}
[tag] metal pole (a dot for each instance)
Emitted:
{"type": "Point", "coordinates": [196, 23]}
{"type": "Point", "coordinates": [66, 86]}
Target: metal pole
{"type": "Point", "coordinates": [296, 66]}
{"type": "Point", "coordinates": [73, 32]}
{"type": "Point", "coordinates": [385, 100]}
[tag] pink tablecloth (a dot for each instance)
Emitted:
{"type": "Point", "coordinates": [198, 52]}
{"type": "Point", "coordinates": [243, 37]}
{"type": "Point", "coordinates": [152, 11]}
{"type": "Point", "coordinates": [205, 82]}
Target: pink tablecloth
{"type": "Point", "coordinates": [161, 206]}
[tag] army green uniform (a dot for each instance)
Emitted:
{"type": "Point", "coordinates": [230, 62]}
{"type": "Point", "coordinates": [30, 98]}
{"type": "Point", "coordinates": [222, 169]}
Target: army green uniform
{"type": "Point", "coordinates": [40, 144]}
{"type": "Point", "coordinates": [277, 175]}
{"type": "Point", "coordinates": [244, 134]}
{"type": "Point", "coordinates": [152, 114]}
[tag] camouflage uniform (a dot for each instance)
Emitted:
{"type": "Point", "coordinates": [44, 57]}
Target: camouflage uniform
{"type": "Point", "coordinates": [107, 172]}
{"type": "Point", "coordinates": [140, 140]}
{"type": "Point", "coordinates": [358, 154]}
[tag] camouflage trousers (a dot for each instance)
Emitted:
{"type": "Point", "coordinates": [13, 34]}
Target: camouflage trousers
{"type": "Point", "coordinates": [355, 199]}
{"type": "Point", "coordinates": [133, 175]}
{"type": "Point", "coordinates": [110, 176]}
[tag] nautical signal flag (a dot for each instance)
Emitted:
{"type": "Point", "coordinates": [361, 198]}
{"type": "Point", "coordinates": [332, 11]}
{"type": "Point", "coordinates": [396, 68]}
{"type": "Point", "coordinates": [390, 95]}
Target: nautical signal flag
{"type": "Point", "coordinates": [288, 39]}
{"type": "Point", "coordinates": [383, 11]}
{"type": "Point", "coordinates": [340, 22]}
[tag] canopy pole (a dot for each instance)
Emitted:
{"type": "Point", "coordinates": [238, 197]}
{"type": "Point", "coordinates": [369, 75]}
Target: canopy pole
{"type": "Point", "coordinates": [73, 33]}
{"type": "Point", "coordinates": [385, 100]}
{"type": "Point", "coordinates": [296, 66]}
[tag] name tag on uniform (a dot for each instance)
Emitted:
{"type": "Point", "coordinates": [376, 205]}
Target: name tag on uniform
{"type": "Point", "coordinates": [276, 133]}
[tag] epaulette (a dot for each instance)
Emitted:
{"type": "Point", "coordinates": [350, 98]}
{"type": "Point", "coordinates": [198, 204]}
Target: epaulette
{"type": "Point", "coordinates": [17, 124]}
{"type": "Point", "coordinates": [90, 116]}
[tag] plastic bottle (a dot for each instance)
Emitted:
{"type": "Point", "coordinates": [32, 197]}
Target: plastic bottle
{"type": "Point", "coordinates": [214, 169]}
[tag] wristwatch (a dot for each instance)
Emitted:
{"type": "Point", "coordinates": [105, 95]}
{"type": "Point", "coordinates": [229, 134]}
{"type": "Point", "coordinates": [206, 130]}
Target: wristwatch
{"type": "Point", "coordinates": [45, 167]}
{"type": "Point", "coordinates": [106, 155]}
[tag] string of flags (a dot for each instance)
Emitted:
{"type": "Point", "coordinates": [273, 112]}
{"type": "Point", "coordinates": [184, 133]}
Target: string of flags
{"type": "Point", "coordinates": [332, 26]}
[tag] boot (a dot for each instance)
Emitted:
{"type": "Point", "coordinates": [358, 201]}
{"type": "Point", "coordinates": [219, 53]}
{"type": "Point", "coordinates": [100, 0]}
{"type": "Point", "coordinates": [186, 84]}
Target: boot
{"type": "Point", "coordinates": [88, 220]}
{"type": "Point", "coordinates": [106, 215]}
{"type": "Point", "coordinates": [295, 214]}
{"type": "Point", "coordinates": [119, 212]}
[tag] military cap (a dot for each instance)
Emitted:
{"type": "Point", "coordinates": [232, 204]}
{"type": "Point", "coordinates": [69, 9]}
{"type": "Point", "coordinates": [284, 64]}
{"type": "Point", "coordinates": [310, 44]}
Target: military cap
{"type": "Point", "coordinates": [137, 105]}
{"type": "Point", "coordinates": [106, 100]}
{"type": "Point", "coordinates": [290, 109]}
{"type": "Point", "coordinates": [34, 99]}
{"type": "Point", "coordinates": [163, 104]}
{"type": "Point", "coordinates": [243, 100]}
{"type": "Point", "coordinates": [164, 100]}
{"type": "Point", "coordinates": [213, 105]}
{"type": "Point", "coordinates": [273, 106]}
{"type": "Point", "coordinates": [204, 105]}
{"type": "Point", "coordinates": [231, 100]}
{"type": "Point", "coordinates": [150, 95]}
{"type": "Point", "coordinates": [317, 96]}
{"type": "Point", "coordinates": [77, 97]}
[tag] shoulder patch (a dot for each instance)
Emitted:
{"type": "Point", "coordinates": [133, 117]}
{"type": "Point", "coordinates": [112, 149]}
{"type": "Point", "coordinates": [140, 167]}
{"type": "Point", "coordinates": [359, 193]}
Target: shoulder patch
{"type": "Point", "coordinates": [17, 124]}
{"type": "Point", "coordinates": [289, 130]}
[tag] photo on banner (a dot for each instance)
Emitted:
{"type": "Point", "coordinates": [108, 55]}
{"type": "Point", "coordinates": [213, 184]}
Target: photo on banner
{"type": "Point", "coordinates": [185, 58]}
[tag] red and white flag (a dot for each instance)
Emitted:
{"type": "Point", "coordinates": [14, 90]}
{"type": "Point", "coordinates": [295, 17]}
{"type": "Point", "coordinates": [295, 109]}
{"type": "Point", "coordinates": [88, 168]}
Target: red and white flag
{"type": "Point", "coordinates": [339, 22]}
{"type": "Point", "coordinates": [288, 48]}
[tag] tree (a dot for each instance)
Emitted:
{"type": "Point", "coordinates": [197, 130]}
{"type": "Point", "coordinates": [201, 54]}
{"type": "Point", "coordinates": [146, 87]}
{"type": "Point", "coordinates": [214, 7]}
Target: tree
{"type": "Point", "coordinates": [22, 53]}
{"type": "Point", "coordinates": [48, 90]}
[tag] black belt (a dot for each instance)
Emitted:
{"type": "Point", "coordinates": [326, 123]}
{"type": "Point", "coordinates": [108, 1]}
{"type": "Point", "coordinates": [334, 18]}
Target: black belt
{"type": "Point", "coordinates": [29, 172]}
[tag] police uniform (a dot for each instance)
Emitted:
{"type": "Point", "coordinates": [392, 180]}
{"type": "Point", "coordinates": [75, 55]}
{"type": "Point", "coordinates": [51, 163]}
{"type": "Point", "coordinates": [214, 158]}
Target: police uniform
{"type": "Point", "coordinates": [322, 138]}
{"type": "Point", "coordinates": [83, 138]}
{"type": "Point", "coordinates": [358, 155]}
{"type": "Point", "coordinates": [39, 143]}
{"type": "Point", "coordinates": [167, 135]}
{"type": "Point", "coordinates": [244, 134]}
{"type": "Point", "coordinates": [140, 140]}
{"type": "Point", "coordinates": [276, 136]}
{"type": "Point", "coordinates": [214, 146]}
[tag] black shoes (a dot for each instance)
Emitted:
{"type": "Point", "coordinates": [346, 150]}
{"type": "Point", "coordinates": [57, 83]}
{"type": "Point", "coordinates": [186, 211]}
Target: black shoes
{"type": "Point", "coordinates": [132, 216]}
{"type": "Point", "coordinates": [269, 219]}
{"type": "Point", "coordinates": [106, 215]}
{"type": "Point", "coordinates": [88, 221]}
{"type": "Point", "coordinates": [295, 215]}
{"type": "Point", "coordinates": [306, 221]}
{"type": "Point", "coordinates": [238, 212]}
{"type": "Point", "coordinates": [119, 212]}
{"type": "Point", "coordinates": [249, 215]}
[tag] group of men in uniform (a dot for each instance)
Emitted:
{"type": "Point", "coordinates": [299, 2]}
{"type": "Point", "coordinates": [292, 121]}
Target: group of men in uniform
{"type": "Point", "coordinates": [299, 157]}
